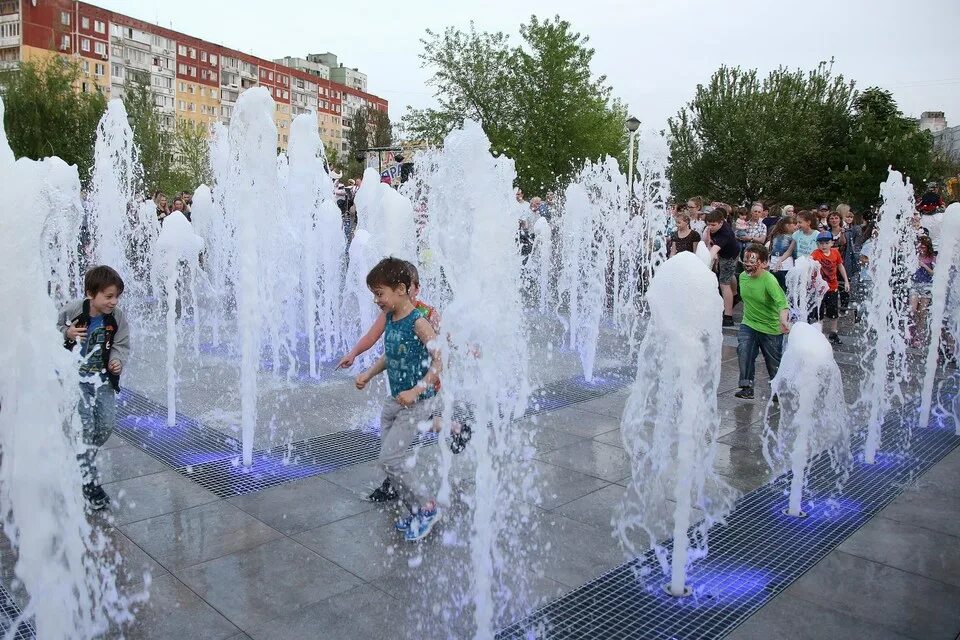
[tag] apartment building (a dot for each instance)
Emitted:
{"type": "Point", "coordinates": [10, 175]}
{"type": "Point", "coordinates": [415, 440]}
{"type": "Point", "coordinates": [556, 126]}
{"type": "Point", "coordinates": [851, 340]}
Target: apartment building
{"type": "Point", "coordinates": [189, 78]}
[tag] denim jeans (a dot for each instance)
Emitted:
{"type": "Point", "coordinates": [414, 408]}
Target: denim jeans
{"type": "Point", "coordinates": [98, 417]}
{"type": "Point", "coordinates": [749, 342]}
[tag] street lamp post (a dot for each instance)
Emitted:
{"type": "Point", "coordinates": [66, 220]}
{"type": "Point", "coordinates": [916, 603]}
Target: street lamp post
{"type": "Point", "coordinates": [632, 125]}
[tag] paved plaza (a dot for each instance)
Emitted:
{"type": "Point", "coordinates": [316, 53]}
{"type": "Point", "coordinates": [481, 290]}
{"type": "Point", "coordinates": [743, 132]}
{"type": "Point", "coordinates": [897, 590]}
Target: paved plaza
{"type": "Point", "coordinates": [309, 558]}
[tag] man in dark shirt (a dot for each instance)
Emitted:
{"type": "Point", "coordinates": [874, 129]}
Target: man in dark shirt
{"type": "Point", "coordinates": [723, 245]}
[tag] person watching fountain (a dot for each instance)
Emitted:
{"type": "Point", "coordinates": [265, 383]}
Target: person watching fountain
{"type": "Point", "coordinates": [725, 250]}
{"type": "Point", "coordinates": [831, 263]}
{"type": "Point", "coordinates": [412, 362]}
{"type": "Point", "coordinates": [765, 318]}
{"type": "Point", "coordinates": [684, 238]}
{"type": "Point", "coordinates": [98, 326]}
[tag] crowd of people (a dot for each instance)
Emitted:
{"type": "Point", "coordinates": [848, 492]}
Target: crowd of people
{"type": "Point", "coordinates": [181, 202]}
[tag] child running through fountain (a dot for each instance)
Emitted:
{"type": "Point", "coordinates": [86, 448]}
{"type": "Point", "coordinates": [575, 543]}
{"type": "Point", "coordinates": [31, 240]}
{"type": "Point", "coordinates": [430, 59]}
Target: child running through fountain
{"type": "Point", "coordinates": [831, 262]}
{"type": "Point", "coordinates": [460, 428]}
{"type": "Point", "coordinates": [413, 365]}
{"type": "Point", "coordinates": [99, 327]}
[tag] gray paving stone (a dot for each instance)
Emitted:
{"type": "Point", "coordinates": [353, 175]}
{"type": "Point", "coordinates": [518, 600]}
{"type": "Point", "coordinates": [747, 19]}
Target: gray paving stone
{"type": "Point", "coordinates": [788, 618]}
{"type": "Point", "coordinates": [559, 485]}
{"type": "Point", "coordinates": [114, 441]}
{"type": "Point", "coordinates": [361, 479]}
{"type": "Point", "coordinates": [585, 424]}
{"type": "Point", "coordinates": [944, 478]}
{"type": "Point", "coordinates": [592, 458]}
{"type": "Point", "coordinates": [134, 561]}
{"type": "Point", "coordinates": [906, 603]}
{"type": "Point", "coordinates": [609, 405]}
{"type": "Point", "coordinates": [911, 548]}
{"type": "Point", "coordinates": [611, 438]}
{"type": "Point", "coordinates": [181, 539]}
{"type": "Point", "coordinates": [545, 439]}
{"type": "Point", "coordinates": [927, 509]}
{"type": "Point", "coordinates": [595, 509]}
{"type": "Point", "coordinates": [153, 495]}
{"type": "Point", "coordinates": [302, 504]}
{"type": "Point", "coordinates": [363, 613]}
{"type": "Point", "coordinates": [174, 612]}
{"type": "Point", "coordinates": [363, 544]}
{"type": "Point", "coordinates": [125, 462]}
{"type": "Point", "coordinates": [564, 556]}
{"type": "Point", "coordinates": [276, 578]}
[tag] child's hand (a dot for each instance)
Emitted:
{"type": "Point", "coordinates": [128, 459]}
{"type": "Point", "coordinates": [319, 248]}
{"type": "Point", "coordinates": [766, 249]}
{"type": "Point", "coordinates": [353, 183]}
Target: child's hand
{"type": "Point", "coordinates": [407, 398]}
{"type": "Point", "coordinates": [76, 333]}
{"type": "Point", "coordinates": [846, 286]}
{"type": "Point", "coordinates": [115, 366]}
{"type": "Point", "coordinates": [345, 362]}
{"type": "Point", "coordinates": [362, 380]}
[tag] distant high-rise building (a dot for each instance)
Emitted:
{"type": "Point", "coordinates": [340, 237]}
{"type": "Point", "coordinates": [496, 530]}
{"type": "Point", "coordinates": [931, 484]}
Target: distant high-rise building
{"type": "Point", "coordinates": [189, 78]}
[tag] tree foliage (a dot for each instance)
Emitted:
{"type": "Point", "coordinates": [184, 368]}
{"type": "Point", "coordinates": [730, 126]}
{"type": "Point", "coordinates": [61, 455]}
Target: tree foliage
{"type": "Point", "coordinates": [794, 136]}
{"type": "Point", "coordinates": [46, 116]}
{"type": "Point", "coordinates": [537, 102]}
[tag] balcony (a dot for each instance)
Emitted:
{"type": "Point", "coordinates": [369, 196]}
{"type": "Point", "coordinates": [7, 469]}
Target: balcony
{"type": "Point", "coordinates": [10, 41]}
{"type": "Point", "coordinates": [10, 8]}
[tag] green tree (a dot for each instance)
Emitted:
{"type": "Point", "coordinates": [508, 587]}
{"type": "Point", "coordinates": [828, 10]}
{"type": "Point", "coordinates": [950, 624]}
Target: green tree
{"type": "Point", "coordinates": [881, 137]}
{"type": "Point", "coordinates": [382, 133]}
{"type": "Point", "coordinates": [154, 143]}
{"type": "Point", "coordinates": [537, 103]}
{"type": "Point", "coordinates": [46, 116]}
{"type": "Point", "coordinates": [192, 142]}
{"type": "Point", "coordinates": [358, 137]}
{"type": "Point", "coordinates": [742, 138]}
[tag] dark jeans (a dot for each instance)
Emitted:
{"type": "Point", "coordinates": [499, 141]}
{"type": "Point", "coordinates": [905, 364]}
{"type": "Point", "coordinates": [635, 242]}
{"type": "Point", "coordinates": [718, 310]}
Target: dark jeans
{"type": "Point", "coordinates": [749, 342]}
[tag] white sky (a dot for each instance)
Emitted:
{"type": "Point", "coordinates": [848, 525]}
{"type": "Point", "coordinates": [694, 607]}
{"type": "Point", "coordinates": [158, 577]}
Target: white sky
{"type": "Point", "coordinates": [654, 52]}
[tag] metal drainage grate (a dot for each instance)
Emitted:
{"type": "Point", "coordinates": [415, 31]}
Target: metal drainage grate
{"type": "Point", "coordinates": [212, 459]}
{"type": "Point", "coordinates": [753, 557]}
{"type": "Point", "coordinates": [9, 612]}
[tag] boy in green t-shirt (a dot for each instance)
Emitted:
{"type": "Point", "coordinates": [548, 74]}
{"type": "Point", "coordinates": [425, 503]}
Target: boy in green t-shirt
{"type": "Point", "coordinates": [764, 318]}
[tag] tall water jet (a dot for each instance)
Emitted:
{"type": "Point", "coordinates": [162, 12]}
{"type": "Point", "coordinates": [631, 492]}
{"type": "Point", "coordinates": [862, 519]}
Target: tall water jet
{"type": "Point", "coordinates": [886, 319]}
{"type": "Point", "coordinates": [210, 223]}
{"type": "Point", "coordinates": [251, 197]}
{"type": "Point", "coordinates": [813, 413]}
{"type": "Point", "coordinates": [485, 363]}
{"type": "Point", "coordinates": [582, 282]}
{"type": "Point", "coordinates": [671, 422]}
{"type": "Point", "coordinates": [805, 288]}
{"type": "Point", "coordinates": [62, 564]}
{"type": "Point", "coordinates": [388, 218]}
{"type": "Point", "coordinates": [62, 260]}
{"type": "Point", "coordinates": [122, 235]}
{"type": "Point", "coordinates": [944, 291]}
{"type": "Point", "coordinates": [178, 249]}
{"type": "Point", "coordinates": [651, 192]}
{"type": "Point", "coordinates": [359, 311]}
{"type": "Point", "coordinates": [541, 261]}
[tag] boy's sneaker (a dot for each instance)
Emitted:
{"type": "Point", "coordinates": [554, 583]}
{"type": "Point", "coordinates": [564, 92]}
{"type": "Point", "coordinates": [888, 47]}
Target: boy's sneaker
{"type": "Point", "coordinates": [745, 392]}
{"type": "Point", "coordinates": [402, 524]}
{"type": "Point", "coordinates": [834, 338]}
{"type": "Point", "coordinates": [95, 496]}
{"type": "Point", "coordinates": [421, 524]}
{"type": "Point", "coordinates": [775, 399]}
{"type": "Point", "coordinates": [458, 441]}
{"type": "Point", "coordinates": [727, 321]}
{"type": "Point", "coordinates": [384, 493]}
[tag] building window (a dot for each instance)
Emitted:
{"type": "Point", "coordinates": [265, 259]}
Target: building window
{"type": "Point", "coordinates": [182, 105]}
{"type": "Point", "coordinates": [100, 48]}
{"type": "Point", "coordinates": [84, 23]}
{"type": "Point", "coordinates": [192, 52]}
{"type": "Point", "coordinates": [84, 44]}
{"type": "Point", "coordinates": [213, 93]}
{"type": "Point", "coordinates": [117, 51]}
{"type": "Point", "coordinates": [116, 71]}
{"type": "Point", "coordinates": [203, 56]}
{"type": "Point", "coordinates": [213, 59]}
{"type": "Point", "coordinates": [182, 69]}
{"type": "Point", "coordinates": [65, 18]}
{"type": "Point", "coordinates": [99, 26]}
{"type": "Point", "coordinates": [286, 95]}
{"type": "Point", "coordinates": [193, 72]}
{"type": "Point", "coordinates": [64, 42]}
{"type": "Point", "coordinates": [182, 50]}
{"type": "Point", "coordinates": [213, 111]}
{"type": "Point", "coordinates": [98, 69]}
{"type": "Point", "coordinates": [86, 66]}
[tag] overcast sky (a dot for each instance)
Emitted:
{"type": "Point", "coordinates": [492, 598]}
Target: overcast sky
{"type": "Point", "coordinates": [654, 53]}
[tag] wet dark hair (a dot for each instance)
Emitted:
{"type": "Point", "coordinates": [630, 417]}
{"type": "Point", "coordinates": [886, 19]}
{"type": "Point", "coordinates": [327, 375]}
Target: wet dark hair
{"type": "Point", "coordinates": [414, 274]}
{"type": "Point", "coordinates": [390, 272]}
{"type": "Point", "coordinates": [761, 251]}
{"type": "Point", "coordinates": [101, 277]}
{"type": "Point", "coordinates": [925, 242]}
{"type": "Point", "coordinates": [715, 216]}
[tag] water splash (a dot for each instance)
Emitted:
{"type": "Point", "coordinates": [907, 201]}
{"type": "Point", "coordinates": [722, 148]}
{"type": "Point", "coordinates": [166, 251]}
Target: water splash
{"type": "Point", "coordinates": [886, 319]}
{"type": "Point", "coordinates": [805, 288]}
{"type": "Point", "coordinates": [671, 422]}
{"type": "Point", "coordinates": [813, 414]}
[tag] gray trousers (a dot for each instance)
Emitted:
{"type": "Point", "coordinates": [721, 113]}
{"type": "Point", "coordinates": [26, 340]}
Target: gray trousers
{"type": "Point", "coordinates": [399, 428]}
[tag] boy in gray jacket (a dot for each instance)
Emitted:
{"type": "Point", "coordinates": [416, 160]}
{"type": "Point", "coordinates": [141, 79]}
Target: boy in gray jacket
{"type": "Point", "coordinates": [96, 324]}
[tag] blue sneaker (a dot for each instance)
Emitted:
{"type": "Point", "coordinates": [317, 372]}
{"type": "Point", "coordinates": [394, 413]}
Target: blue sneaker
{"type": "Point", "coordinates": [402, 524]}
{"type": "Point", "coordinates": [421, 525]}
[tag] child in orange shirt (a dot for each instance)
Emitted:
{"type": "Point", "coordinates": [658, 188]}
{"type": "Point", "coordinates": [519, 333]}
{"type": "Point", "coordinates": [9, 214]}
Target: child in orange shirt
{"type": "Point", "coordinates": [831, 263]}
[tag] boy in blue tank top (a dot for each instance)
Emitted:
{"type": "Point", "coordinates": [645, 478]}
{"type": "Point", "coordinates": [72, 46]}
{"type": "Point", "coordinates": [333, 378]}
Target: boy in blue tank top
{"type": "Point", "coordinates": [412, 364]}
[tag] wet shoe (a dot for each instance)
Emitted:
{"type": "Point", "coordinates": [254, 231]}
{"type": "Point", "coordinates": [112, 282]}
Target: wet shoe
{"type": "Point", "coordinates": [458, 441]}
{"type": "Point", "coordinates": [402, 524]}
{"type": "Point", "coordinates": [745, 392]}
{"type": "Point", "coordinates": [421, 524]}
{"type": "Point", "coordinates": [384, 493]}
{"type": "Point", "coordinates": [775, 399]}
{"type": "Point", "coordinates": [727, 321]}
{"type": "Point", "coordinates": [834, 338]}
{"type": "Point", "coordinates": [95, 496]}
